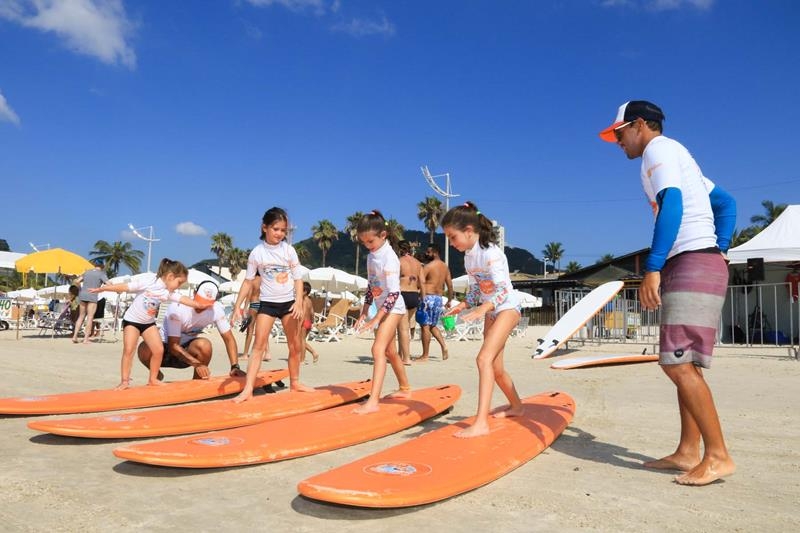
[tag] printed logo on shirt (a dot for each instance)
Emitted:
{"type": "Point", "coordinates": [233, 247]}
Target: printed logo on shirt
{"type": "Point", "coordinates": [652, 169]}
{"type": "Point", "coordinates": [486, 286]}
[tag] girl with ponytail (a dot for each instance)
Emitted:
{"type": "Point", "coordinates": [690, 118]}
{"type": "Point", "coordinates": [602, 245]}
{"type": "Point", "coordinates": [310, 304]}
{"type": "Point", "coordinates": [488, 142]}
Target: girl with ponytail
{"type": "Point", "coordinates": [383, 273]}
{"type": "Point", "coordinates": [490, 297]}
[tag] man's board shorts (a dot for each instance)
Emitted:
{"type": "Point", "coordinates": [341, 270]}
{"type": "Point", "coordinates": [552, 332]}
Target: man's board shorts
{"type": "Point", "coordinates": [275, 309]}
{"type": "Point", "coordinates": [429, 313]}
{"type": "Point", "coordinates": [173, 361]}
{"type": "Point", "coordinates": [693, 287]}
{"type": "Point", "coordinates": [411, 299]}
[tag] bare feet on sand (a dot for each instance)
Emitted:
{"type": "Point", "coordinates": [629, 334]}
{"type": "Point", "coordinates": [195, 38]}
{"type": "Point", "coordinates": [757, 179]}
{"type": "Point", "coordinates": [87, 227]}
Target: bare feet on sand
{"type": "Point", "coordinates": [509, 412]}
{"type": "Point", "coordinates": [420, 359]}
{"type": "Point", "coordinates": [475, 430]}
{"type": "Point", "coordinates": [708, 471]}
{"type": "Point", "coordinates": [676, 461]}
{"type": "Point", "coordinates": [445, 355]}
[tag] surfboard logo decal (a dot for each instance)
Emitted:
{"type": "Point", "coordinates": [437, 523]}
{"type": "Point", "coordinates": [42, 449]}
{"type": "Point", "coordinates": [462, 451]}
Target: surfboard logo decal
{"type": "Point", "coordinates": [216, 441]}
{"type": "Point", "coordinates": [398, 469]}
{"type": "Point", "coordinates": [122, 418]}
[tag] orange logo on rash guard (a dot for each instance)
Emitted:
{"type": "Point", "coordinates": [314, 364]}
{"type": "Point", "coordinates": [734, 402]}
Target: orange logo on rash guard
{"type": "Point", "coordinates": [652, 169]}
{"type": "Point", "coordinates": [486, 286]}
{"type": "Point", "coordinates": [376, 291]}
{"type": "Point", "coordinates": [282, 277]}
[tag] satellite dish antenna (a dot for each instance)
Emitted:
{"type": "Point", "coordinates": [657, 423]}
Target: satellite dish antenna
{"type": "Point", "coordinates": [445, 193]}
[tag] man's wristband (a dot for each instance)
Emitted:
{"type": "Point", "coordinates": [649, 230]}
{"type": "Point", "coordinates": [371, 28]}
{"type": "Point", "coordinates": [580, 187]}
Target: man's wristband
{"type": "Point", "coordinates": [235, 366]}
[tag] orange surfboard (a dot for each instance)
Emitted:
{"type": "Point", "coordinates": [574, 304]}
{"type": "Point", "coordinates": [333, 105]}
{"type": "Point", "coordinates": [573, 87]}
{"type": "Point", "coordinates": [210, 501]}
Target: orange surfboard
{"type": "Point", "coordinates": [601, 359]}
{"type": "Point", "coordinates": [296, 436]}
{"type": "Point", "coordinates": [206, 416]}
{"type": "Point", "coordinates": [134, 397]}
{"type": "Point", "coordinates": [438, 465]}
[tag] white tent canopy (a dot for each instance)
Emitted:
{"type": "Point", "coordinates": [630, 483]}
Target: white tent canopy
{"type": "Point", "coordinates": [780, 241]}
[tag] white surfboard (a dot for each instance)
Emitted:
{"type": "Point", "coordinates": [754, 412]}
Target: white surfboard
{"type": "Point", "coordinates": [599, 359]}
{"type": "Point", "coordinates": [577, 316]}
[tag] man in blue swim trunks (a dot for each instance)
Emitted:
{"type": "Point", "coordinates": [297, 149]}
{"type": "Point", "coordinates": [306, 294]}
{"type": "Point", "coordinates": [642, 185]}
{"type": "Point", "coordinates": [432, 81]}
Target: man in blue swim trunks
{"type": "Point", "coordinates": [437, 277]}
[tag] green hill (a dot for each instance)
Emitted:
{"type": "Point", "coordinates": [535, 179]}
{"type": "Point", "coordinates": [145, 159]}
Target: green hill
{"type": "Point", "coordinates": [342, 255]}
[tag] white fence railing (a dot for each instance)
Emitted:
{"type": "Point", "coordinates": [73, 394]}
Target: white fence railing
{"type": "Point", "coordinates": [753, 315]}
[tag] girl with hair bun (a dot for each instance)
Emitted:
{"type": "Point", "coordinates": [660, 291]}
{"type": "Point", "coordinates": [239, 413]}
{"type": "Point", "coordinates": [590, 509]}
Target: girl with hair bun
{"type": "Point", "coordinates": [383, 273]}
{"type": "Point", "coordinates": [490, 297]}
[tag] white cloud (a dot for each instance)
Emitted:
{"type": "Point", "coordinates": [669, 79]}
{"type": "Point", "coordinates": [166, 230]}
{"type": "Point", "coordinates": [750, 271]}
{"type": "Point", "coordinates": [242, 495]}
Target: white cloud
{"type": "Point", "coordinates": [6, 113]}
{"type": "Point", "coordinates": [318, 7]}
{"type": "Point", "coordinates": [362, 27]}
{"type": "Point", "coordinates": [97, 28]}
{"type": "Point", "coordinates": [191, 229]}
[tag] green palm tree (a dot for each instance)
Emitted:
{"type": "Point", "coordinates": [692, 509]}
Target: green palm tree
{"type": "Point", "coordinates": [553, 252]}
{"type": "Point", "coordinates": [221, 244]}
{"type": "Point", "coordinates": [351, 228]}
{"type": "Point", "coordinates": [237, 261]}
{"type": "Point", "coordinates": [772, 212]}
{"type": "Point", "coordinates": [573, 266]}
{"type": "Point", "coordinates": [430, 212]}
{"type": "Point", "coordinates": [741, 237]}
{"type": "Point", "coordinates": [394, 230]}
{"type": "Point", "coordinates": [116, 254]}
{"type": "Point", "coordinates": [605, 259]}
{"type": "Point", "coordinates": [303, 253]}
{"type": "Point", "coordinates": [324, 233]}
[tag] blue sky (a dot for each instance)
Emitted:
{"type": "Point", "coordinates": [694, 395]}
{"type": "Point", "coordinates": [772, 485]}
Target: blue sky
{"type": "Point", "coordinates": [196, 117]}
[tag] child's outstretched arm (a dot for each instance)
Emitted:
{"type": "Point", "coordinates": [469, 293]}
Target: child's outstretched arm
{"type": "Point", "coordinates": [113, 287]}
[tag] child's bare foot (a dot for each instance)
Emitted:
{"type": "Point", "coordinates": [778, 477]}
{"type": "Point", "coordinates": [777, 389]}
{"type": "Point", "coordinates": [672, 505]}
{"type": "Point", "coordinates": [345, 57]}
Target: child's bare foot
{"type": "Point", "coordinates": [156, 383]}
{"type": "Point", "coordinates": [475, 430]}
{"type": "Point", "coordinates": [684, 463]}
{"type": "Point", "coordinates": [445, 355]}
{"type": "Point", "coordinates": [421, 359]}
{"type": "Point", "coordinates": [243, 397]}
{"type": "Point", "coordinates": [316, 358]}
{"type": "Point", "coordinates": [366, 409]}
{"type": "Point", "coordinates": [122, 385]}
{"type": "Point", "coordinates": [708, 471]}
{"type": "Point", "coordinates": [401, 393]}
{"type": "Point", "coordinates": [299, 387]}
{"type": "Point", "coordinates": [509, 412]}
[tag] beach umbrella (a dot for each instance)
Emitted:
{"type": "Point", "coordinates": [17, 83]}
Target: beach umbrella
{"type": "Point", "coordinates": [230, 286]}
{"type": "Point", "coordinates": [55, 260]}
{"type": "Point", "coordinates": [196, 277]}
{"type": "Point", "coordinates": [22, 294]}
{"type": "Point", "coordinates": [461, 283]}
{"type": "Point", "coordinates": [61, 291]}
{"type": "Point", "coordinates": [334, 280]}
{"type": "Point", "coordinates": [527, 300]}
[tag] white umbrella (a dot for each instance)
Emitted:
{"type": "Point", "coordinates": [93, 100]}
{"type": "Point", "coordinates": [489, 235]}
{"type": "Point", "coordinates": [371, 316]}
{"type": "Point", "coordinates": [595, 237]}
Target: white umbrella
{"type": "Point", "coordinates": [61, 291]}
{"type": "Point", "coordinates": [230, 286]}
{"type": "Point", "coordinates": [196, 277]}
{"type": "Point", "coordinates": [461, 283]}
{"type": "Point", "coordinates": [23, 294]}
{"type": "Point", "coordinates": [334, 280]}
{"type": "Point", "coordinates": [527, 300]}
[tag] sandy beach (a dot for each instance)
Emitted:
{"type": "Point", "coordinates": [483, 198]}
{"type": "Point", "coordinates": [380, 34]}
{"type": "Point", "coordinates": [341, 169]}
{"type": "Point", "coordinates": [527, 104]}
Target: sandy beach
{"type": "Point", "coordinates": [591, 479]}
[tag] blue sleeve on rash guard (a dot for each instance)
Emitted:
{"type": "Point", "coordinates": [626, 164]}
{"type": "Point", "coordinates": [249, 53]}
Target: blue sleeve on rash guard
{"type": "Point", "coordinates": [724, 207]}
{"type": "Point", "coordinates": [668, 222]}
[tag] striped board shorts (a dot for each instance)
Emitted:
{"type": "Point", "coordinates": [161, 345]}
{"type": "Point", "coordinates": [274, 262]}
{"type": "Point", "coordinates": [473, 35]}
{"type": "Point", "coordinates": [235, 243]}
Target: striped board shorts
{"type": "Point", "coordinates": [693, 287]}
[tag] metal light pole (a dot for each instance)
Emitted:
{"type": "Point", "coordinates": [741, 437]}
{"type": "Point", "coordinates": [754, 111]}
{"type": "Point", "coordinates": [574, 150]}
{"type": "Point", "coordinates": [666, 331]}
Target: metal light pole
{"type": "Point", "coordinates": [150, 240]}
{"type": "Point", "coordinates": [36, 249]}
{"type": "Point", "coordinates": [446, 193]}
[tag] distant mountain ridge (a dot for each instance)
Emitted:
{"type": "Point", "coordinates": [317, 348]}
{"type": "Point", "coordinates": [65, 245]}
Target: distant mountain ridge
{"type": "Point", "coordinates": [342, 255]}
